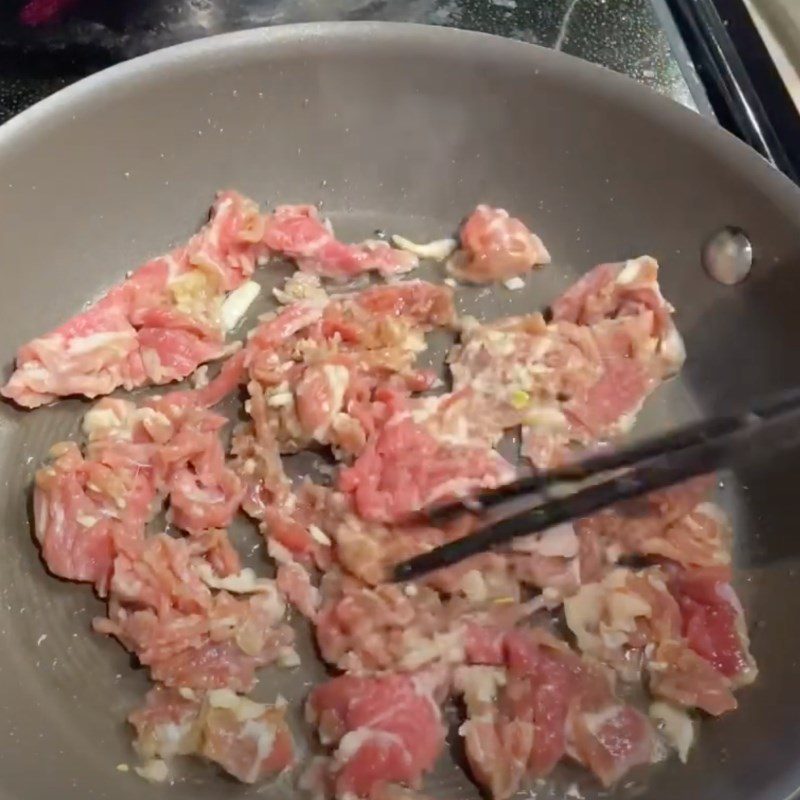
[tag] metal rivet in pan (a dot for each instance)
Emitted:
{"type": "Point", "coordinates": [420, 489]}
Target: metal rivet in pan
{"type": "Point", "coordinates": [728, 256]}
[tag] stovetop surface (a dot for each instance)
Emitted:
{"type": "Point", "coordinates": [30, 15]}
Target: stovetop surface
{"type": "Point", "coordinates": [635, 37]}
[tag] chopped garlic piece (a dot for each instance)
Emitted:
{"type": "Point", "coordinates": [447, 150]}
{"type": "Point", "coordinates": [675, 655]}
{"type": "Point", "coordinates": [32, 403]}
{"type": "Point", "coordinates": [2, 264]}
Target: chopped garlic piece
{"type": "Point", "coordinates": [438, 250]}
{"type": "Point", "coordinates": [242, 707]}
{"type": "Point", "coordinates": [630, 272]}
{"type": "Point", "coordinates": [99, 419]}
{"type": "Point", "coordinates": [479, 683]}
{"type": "Point", "coordinates": [288, 657]}
{"type": "Point", "coordinates": [583, 612]}
{"type": "Point", "coordinates": [319, 535]}
{"type": "Point", "coordinates": [236, 304]}
{"type": "Point", "coordinates": [155, 770]}
{"type": "Point", "coordinates": [676, 726]}
{"type": "Point", "coordinates": [514, 283]}
{"type": "Point", "coordinates": [474, 586]}
{"type": "Point", "coordinates": [280, 399]}
{"type": "Point", "coordinates": [200, 377]}
{"type": "Point", "coordinates": [546, 418]}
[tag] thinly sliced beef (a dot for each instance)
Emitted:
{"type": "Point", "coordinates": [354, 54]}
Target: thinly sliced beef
{"type": "Point", "coordinates": [166, 608]}
{"type": "Point", "coordinates": [680, 675]}
{"type": "Point", "coordinates": [157, 326]}
{"type": "Point", "coordinates": [381, 730]}
{"type": "Point", "coordinates": [406, 468]}
{"type": "Point", "coordinates": [543, 703]}
{"type": "Point", "coordinates": [620, 620]}
{"type": "Point", "coordinates": [713, 622]}
{"type": "Point", "coordinates": [584, 376]}
{"type": "Point", "coordinates": [298, 233]}
{"type": "Point", "coordinates": [645, 585]}
{"type": "Point", "coordinates": [677, 524]}
{"type": "Point", "coordinates": [88, 506]}
{"type": "Point", "coordinates": [331, 372]}
{"type": "Point", "coordinates": [497, 747]}
{"type": "Point", "coordinates": [496, 247]}
{"type": "Point", "coordinates": [250, 741]}
{"type": "Point", "coordinates": [364, 629]}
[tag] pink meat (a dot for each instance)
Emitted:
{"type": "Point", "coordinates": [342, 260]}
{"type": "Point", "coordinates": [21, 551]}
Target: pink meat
{"type": "Point", "coordinates": [84, 510]}
{"type": "Point", "coordinates": [547, 702]}
{"type": "Point", "coordinates": [367, 550]}
{"type": "Point", "coordinates": [680, 675]}
{"type": "Point", "coordinates": [361, 628]}
{"type": "Point", "coordinates": [144, 331]}
{"type": "Point", "coordinates": [297, 233]}
{"type": "Point", "coordinates": [713, 622]}
{"type": "Point", "coordinates": [188, 635]}
{"type": "Point", "coordinates": [581, 378]}
{"type": "Point", "coordinates": [406, 468]}
{"type": "Point", "coordinates": [613, 739]}
{"type": "Point", "coordinates": [331, 373]}
{"type": "Point", "coordinates": [677, 524]}
{"type": "Point", "coordinates": [608, 292]}
{"type": "Point", "coordinates": [89, 506]}
{"type": "Point", "coordinates": [572, 703]}
{"type": "Point", "coordinates": [485, 645]}
{"type": "Point", "coordinates": [497, 747]}
{"type": "Point", "coordinates": [425, 303]}
{"type": "Point", "coordinates": [251, 750]}
{"type": "Point", "coordinates": [204, 493]}
{"type": "Point", "coordinates": [496, 247]}
{"type": "Point", "coordinates": [251, 747]}
{"type": "Point", "coordinates": [542, 686]}
{"type": "Point", "coordinates": [386, 729]}
{"type": "Point", "coordinates": [167, 724]}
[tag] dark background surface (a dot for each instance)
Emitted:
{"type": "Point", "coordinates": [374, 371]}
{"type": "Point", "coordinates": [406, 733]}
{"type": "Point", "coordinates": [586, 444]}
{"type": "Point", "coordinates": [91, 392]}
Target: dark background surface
{"type": "Point", "coordinates": [630, 36]}
{"type": "Point", "coordinates": [705, 54]}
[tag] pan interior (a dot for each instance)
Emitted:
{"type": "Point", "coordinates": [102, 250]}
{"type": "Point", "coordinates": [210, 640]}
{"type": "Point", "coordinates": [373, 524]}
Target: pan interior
{"type": "Point", "coordinates": [401, 129]}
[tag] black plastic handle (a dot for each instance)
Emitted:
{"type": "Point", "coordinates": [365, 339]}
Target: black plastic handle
{"type": "Point", "coordinates": [744, 87]}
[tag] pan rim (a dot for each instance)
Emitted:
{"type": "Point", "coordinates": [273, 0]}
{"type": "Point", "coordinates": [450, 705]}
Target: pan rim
{"type": "Point", "coordinates": [561, 66]}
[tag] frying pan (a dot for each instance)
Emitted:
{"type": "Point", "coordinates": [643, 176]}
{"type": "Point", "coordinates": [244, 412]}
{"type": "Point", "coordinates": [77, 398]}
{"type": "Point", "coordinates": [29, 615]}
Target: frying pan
{"type": "Point", "coordinates": [402, 128]}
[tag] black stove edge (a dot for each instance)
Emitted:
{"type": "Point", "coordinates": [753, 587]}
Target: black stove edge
{"type": "Point", "coordinates": [745, 89]}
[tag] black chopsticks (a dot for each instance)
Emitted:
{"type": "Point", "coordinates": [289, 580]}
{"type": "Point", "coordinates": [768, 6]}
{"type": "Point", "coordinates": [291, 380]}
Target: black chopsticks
{"type": "Point", "coordinates": [656, 463]}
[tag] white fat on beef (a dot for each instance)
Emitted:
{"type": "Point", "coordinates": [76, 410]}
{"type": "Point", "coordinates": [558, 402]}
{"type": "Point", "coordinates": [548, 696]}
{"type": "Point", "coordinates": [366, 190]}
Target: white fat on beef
{"type": "Point", "coordinates": [243, 708]}
{"type": "Point", "coordinates": [479, 684]}
{"type": "Point", "coordinates": [672, 350]}
{"type": "Point", "coordinates": [353, 741]}
{"type": "Point", "coordinates": [603, 615]}
{"type": "Point", "coordinates": [243, 582]}
{"type": "Point", "coordinates": [447, 647]}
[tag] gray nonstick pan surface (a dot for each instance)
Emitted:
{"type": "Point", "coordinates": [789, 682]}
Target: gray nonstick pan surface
{"type": "Point", "coordinates": [401, 128]}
